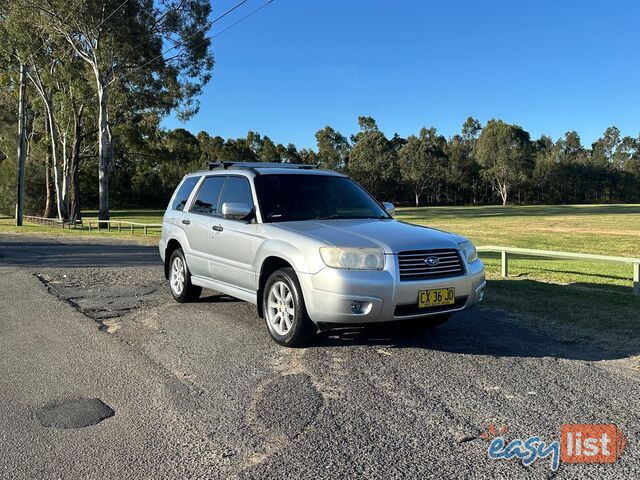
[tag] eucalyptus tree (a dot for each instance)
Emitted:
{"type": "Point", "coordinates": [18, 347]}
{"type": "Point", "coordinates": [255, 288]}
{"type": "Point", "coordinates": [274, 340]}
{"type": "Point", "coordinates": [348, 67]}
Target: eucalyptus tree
{"type": "Point", "coordinates": [373, 159]}
{"type": "Point", "coordinates": [150, 57]}
{"type": "Point", "coordinates": [333, 148]}
{"type": "Point", "coordinates": [504, 153]}
{"type": "Point", "coordinates": [422, 161]}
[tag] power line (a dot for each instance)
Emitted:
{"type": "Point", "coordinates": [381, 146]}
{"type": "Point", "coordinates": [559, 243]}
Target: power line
{"type": "Point", "coordinates": [197, 32]}
{"type": "Point", "coordinates": [229, 11]}
{"type": "Point", "coordinates": [242, 19]}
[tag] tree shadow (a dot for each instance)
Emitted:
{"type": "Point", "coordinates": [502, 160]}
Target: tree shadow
{"type": "Point", "coordinates": [16, 251]}
{"type": "Point", "coordinates": [577, 330]}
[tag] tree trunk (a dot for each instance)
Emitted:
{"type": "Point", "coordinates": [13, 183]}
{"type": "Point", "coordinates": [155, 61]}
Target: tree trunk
{"type": "Point", "coordinates": [104, 153]}
{"type": "Point", "coordinates": [503, 190]}
{"type": "Point", "coordinates": [417, 197]}
{"type": "Point", "coordinates": [50, 204]}
{"type": "Point", "coordinates": [57, 174]}
{"type": "Point", "coordinates": [22, 145]}
{"type": "Point", "coordinates": [51, 127]}
{"type": "Point", "coordinates": [74, 168]}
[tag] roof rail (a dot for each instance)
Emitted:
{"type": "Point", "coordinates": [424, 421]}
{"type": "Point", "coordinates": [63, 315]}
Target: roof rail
{"type": "Point", "coordinates": [254, 165]}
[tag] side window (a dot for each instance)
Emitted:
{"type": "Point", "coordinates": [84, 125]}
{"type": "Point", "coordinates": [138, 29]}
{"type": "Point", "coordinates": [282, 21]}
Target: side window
{"type": "Point", "coordinates": [237, 189]}
{"type": "Point", "coordinates": [183, 192]}
{"type": "Point", "coordinates": [206, 202]}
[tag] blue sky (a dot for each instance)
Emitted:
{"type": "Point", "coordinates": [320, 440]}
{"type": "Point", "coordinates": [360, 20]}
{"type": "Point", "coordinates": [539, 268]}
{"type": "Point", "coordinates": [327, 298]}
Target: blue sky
{"type": "Point", "coordinates": [298, 65]}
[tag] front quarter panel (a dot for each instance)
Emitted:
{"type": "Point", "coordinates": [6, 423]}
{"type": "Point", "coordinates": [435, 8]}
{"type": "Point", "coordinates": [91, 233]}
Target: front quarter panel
{"type": "Point", "coordinates": [301, 257]}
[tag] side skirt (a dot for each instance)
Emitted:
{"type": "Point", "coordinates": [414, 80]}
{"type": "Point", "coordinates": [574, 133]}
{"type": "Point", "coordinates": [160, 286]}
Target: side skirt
{"type": "Point", "coordinates": [242, 294]}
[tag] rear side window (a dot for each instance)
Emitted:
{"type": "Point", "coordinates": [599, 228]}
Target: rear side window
{"type": "Point", "coordinates": [206, 202]}
{"type": "Point", "coordinates": [183, 193]}
{"type": "Point", "coordinates": [237, 189]}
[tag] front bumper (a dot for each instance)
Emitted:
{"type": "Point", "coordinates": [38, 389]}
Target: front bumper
{"type": "Point", "coordinates": [331, 293]}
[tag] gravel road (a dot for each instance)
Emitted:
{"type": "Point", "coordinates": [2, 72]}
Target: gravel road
{"type": "Point", "coordinates": [200, 391]}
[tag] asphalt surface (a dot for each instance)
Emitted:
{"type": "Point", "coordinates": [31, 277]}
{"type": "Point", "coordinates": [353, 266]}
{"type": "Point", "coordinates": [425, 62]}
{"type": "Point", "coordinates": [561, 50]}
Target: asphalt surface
{"type": "Point", "coordinates": [200, 391]}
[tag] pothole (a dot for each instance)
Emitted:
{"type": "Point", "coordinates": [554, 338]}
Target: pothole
{"type": "Point", "coordinates": [98, 295]}
{"type": "Point", "coordinates": [287, 405]}
{"type": "Point", "coordinates": [74, 413]}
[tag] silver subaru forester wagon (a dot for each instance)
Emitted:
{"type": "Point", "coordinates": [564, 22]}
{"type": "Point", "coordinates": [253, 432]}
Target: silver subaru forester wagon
{"type": "Point", "coordinates": [310, 248]}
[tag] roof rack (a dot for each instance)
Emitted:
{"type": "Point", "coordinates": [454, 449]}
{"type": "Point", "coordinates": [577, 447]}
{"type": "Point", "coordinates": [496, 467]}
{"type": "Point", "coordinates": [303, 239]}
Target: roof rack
{"type": "Point", "coordinates": [253, 165]}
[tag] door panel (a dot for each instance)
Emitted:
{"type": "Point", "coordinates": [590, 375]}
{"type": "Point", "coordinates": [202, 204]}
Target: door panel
{"type": "Point", "coordinates": [234, 249]}
{"type": "Point", "coordinates": [234, 246]}
{"type": "Point", "coordinates": [202, 217]}
{"type": "Point", "coordinates": [199, 236]}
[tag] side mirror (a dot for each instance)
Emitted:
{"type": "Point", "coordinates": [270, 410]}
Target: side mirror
{"type": "Point", "coordinates": [388, 206]}
{"type": "Point", "coordinates": [236, 210]}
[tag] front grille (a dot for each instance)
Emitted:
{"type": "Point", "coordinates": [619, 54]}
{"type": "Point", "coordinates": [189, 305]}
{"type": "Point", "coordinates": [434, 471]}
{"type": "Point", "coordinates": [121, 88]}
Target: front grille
{"type": "Point", "coordinates": [414, 309]}
{"type": "Point", "coordinates": [413, 264]}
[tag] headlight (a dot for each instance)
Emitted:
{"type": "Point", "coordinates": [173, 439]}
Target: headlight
{"type": "Point", "coordinates": [469, 250]}
{"type": "Point", "coordinates": [353, 258]}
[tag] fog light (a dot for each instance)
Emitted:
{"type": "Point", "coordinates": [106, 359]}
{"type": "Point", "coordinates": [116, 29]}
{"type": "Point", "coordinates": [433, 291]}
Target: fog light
{"type": "Point", "coordinates": [356, 307]}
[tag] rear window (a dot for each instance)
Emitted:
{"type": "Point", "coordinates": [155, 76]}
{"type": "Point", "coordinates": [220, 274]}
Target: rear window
{"type": "Point", "coordinates": [183, 193]}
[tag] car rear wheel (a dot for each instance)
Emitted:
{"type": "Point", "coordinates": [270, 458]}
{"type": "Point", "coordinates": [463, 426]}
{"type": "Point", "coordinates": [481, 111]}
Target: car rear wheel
{"type": "Point", "coordinates": [180, 284]}
{"type": "Point", "coordinates": [284, 309]}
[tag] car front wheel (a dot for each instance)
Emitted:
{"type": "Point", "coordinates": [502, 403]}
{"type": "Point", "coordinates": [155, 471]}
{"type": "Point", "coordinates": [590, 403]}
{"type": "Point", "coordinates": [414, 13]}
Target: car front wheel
{"type": "Point", "coordinates": [284, 309]}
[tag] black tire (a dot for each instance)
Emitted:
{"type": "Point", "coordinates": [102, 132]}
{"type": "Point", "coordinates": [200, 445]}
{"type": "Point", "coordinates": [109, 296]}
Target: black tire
{"type": "Point", "coordinates": [189, 291]}
{"type": "Point", "coordinates": [302, 328]}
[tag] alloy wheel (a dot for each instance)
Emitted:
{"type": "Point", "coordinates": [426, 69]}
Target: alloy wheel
{"type": "Point", "coordinates": [280, 308]}
{"type": "Point", "coordinates": [177, 276]}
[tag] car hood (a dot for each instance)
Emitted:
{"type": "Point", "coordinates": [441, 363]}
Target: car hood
{"type": "Point", "coordinates": [390, 235]}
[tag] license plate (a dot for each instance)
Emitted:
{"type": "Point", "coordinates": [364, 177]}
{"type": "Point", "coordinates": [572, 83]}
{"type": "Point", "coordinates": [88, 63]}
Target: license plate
{"type": "Point", "coordinates": [436, 297]}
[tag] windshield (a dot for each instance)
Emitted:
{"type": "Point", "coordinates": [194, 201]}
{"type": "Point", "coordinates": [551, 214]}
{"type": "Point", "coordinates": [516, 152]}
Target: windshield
{"type": "Point", "coordinates": [291, 197]}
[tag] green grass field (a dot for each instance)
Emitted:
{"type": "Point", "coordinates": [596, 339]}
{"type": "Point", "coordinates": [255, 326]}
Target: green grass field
{"type": "Point", "coordinates": [597, 229]}
{"type": "Point", "coordinates": [577, 299]}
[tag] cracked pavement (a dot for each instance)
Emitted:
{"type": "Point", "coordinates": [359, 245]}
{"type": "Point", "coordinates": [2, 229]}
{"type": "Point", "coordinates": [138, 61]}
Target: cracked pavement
{"type": "Point", "coordinates": [200, 391]}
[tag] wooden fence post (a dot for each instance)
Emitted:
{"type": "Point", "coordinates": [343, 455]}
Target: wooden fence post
{"type": "Point", "coordinates": [505, 263]}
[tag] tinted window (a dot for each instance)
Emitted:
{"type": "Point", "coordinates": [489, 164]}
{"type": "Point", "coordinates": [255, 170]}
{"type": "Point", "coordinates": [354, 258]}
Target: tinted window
{"type": "Point", "coordinates": [291, 197]}
{"type": "Point", "coordinates": [237, 189]}
{"type": "Point", "coordinates": [182, 195]}
{"type": "Point", "coordinates": [206, 202]}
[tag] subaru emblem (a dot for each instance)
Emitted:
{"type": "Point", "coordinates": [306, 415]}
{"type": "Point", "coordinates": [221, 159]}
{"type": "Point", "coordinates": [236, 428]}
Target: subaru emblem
{"type": "Point", "coordinates": [432, 261]}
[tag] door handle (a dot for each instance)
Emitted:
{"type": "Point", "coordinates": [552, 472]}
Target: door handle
{"type": "Point", "coordinates": [217, 228]}
{"type": "Point", "coordinates": [186, 222]}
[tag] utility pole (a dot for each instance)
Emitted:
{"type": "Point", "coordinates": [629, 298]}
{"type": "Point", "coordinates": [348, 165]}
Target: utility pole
{"type": "Point", "coordinates": [22, 144]}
